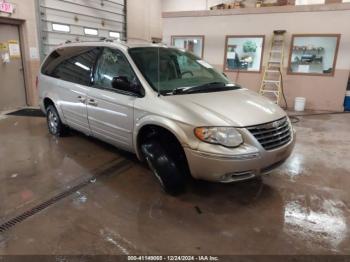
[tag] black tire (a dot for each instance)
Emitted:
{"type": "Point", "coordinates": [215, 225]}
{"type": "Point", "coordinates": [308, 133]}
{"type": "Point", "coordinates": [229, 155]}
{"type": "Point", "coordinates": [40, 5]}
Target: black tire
{"type": "Point", "coordinates": [54, 123]}
{"type": "Point", "coordinates": [166, 166]}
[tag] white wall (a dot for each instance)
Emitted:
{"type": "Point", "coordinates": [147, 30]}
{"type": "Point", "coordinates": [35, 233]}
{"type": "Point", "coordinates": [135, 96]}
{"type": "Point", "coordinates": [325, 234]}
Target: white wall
{"type": "Point", "coordinates": [322, 93]}
{"type": "Point", "coordinates": [144, 19]}
{"type": "Point", "coordinates": [183, 5]}
{"type": "Point", "coordinates": [215, 28]}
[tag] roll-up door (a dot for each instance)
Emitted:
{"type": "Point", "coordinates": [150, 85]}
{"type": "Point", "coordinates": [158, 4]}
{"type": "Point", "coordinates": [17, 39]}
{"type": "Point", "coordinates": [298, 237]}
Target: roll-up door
{"type": "Point", "coordinates": [80, 20]}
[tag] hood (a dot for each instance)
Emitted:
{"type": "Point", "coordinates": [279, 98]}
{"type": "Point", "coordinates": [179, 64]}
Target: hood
{"type": "Point", "coordinates": [238, 108]}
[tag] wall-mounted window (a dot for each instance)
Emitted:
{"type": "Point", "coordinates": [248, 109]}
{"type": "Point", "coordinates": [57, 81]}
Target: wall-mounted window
{"type": "Point", "coordinates": [114, 35]}
{"type": "Point", "coordinates": [61, 28]}
{"type": "Point", "coordinates": [90, 31]}
{"type": "Point", "coordinates": [313, 54]}
{"type": "Point", "coordinates": [244, 53]}
{"type": "Point", "coordinates": [193, 44]}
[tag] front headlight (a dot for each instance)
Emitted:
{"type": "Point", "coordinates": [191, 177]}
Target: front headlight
{"type": "Point", "coordinates": [226, 136]}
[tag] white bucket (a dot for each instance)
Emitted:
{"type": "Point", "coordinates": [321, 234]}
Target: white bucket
{"type": "Point", "coordinates": [299, 105]}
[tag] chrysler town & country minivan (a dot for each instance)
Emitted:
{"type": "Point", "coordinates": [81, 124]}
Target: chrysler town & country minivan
{"type": "Point", "coordinates": [171, 108]}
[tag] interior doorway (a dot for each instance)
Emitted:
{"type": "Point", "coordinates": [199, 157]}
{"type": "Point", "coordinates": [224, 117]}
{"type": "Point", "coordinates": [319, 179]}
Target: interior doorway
{"type": "Point", "coordinates": [12, 86]}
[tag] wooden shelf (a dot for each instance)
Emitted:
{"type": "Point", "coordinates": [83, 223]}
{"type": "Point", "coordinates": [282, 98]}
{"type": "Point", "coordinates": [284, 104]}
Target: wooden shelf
{"type": "Point", "coordinates": [260, 10]}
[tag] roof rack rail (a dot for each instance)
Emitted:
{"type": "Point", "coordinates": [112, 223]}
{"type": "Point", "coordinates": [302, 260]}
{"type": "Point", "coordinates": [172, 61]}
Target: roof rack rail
{"type": "Point", "coordinates": [140, 40]}
{"type": "Point", "coordinates": [105, 39]}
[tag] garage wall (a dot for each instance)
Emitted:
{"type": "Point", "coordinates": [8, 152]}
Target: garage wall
{"type": "Point", "coordinates": [35, 18]}
{"type": "Point", "coordinates": [183, 5]}
{"type": "Point", "coordinates": [103, 15]}
{"type": "Point", "coordinates": [144, 19]}
{"type": "Point", "coordinates": [322, 93]}
{"type": "Point", "coordinates": [25, 17]}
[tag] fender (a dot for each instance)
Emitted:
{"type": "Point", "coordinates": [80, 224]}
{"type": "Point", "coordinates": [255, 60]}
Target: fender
{"type": "Point", "coordinates": [165, 123]}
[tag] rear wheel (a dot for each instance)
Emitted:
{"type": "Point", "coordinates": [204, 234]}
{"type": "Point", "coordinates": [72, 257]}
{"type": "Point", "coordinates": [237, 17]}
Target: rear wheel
{"type": "Point", "coordinates": [54, 123]}
{"type": "Point", "coordinates": [166, 165]}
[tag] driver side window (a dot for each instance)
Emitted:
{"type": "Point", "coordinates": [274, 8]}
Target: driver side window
{"type": "Point", "coordinates": [111, 64]}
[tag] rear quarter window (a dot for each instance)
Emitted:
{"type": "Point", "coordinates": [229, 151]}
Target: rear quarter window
{"type": "Point", "coordinates": [72, 64]}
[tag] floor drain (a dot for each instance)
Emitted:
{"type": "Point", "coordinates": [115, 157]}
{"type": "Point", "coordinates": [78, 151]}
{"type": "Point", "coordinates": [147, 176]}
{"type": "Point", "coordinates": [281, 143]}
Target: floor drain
{"type": "Point", "coordinates": [116, 169]}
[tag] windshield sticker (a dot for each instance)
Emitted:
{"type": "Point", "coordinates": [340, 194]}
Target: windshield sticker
{"type": "Point", "coordinates": [205, 64]}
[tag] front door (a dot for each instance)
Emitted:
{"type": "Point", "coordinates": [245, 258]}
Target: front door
{"type": "Point", "coordinates": [12, 88]}
{"type": "Point", "coordinates": [111, 110]}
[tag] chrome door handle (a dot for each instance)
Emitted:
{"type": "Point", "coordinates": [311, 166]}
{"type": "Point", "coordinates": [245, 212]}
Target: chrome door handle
{"type": "Point", "coordinates": [82, 99]}
{"type": "Point", "coordinates": [92, 102]}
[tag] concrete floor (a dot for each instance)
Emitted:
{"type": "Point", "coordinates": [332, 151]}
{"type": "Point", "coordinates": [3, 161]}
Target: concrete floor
{"type": "Point", "coordinates": [302, 208]}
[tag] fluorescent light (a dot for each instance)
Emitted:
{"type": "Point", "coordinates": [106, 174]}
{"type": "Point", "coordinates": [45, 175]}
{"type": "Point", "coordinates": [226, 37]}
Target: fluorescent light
{"type": "Point", "coordinates": [114, 34]}
{"type": "Point", "coordinates": [90, 31]}
{"type": "Point", "coordinates": [82, 66]}
{"type": "Point", "coordinates": [61, 28]}
{"type": "Point", "coordinates": [108, 77]}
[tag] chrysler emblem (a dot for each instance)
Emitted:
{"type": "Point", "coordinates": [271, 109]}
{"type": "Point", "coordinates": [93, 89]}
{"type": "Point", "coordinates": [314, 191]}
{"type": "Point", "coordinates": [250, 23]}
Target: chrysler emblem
{"type": "Point", "coordinates": [276, 124]}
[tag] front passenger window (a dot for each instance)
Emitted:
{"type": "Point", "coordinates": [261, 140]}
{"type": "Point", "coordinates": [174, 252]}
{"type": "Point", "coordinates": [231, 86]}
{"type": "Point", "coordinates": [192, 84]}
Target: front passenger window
{"type": "Point", "coordinates": [113, 64]}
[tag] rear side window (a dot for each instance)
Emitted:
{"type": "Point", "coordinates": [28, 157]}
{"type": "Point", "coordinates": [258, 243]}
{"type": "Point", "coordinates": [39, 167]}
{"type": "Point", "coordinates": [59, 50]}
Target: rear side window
{"type": "Point", "coordinates": [72, 64]}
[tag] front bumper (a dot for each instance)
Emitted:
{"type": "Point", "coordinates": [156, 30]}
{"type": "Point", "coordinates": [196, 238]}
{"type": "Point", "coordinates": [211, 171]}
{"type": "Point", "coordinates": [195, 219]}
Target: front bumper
{"type": "Point", "coordinates": [237, 167]}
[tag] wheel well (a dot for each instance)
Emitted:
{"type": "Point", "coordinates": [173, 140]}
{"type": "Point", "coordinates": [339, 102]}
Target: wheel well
{"type": "Point", "coordinates": [160, 133]}
{"type": "Point", "coordinates": [48, 102]}
{"type": "Point", "coordinates": [152, 131]}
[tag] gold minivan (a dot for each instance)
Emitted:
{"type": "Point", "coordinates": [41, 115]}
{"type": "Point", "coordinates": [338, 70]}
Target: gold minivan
{"type": "Point", "coordinates": [166, 105]}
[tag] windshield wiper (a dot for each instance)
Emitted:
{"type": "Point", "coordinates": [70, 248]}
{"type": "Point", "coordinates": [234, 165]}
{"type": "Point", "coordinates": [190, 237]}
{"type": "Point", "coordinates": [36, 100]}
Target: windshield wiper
{"type": "Point", "coordinates": [194, 89]}
{"type": "Point", "coordinates": [180, 90]}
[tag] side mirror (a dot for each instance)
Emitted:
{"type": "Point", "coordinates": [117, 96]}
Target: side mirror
{"type": "Point", "coordinates": [122, 83]}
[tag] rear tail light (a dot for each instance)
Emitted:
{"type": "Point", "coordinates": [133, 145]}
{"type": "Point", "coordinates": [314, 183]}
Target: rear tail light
{"type": "Point", "coordinates": [37, 82]}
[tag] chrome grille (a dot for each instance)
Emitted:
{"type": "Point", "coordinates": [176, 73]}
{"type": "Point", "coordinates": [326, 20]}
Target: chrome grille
{"type": "Point", "coordinates": [273, 135]}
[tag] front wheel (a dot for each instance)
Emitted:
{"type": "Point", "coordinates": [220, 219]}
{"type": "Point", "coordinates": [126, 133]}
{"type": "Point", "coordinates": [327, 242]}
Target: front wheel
{"type": "Point", "coordinates": [165, 167]}
{"type": "Point", "coordinates": [54, 123]}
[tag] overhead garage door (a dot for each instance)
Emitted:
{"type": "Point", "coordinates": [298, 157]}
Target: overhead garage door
{"type": "Point", "coordinates": [80, 20]}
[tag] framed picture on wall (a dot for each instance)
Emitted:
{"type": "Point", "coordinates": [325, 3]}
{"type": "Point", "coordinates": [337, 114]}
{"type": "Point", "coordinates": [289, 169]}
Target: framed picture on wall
{"type": "Point", "coordinates": [313, 54]}
{"type": "Point", "coordinates": [244, 53]}
{"type": "Point", "coordinates": [193, 44]}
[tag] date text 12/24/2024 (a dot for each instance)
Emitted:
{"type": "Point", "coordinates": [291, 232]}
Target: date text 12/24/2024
{"type": "Point", "coordinates": [173, 258]}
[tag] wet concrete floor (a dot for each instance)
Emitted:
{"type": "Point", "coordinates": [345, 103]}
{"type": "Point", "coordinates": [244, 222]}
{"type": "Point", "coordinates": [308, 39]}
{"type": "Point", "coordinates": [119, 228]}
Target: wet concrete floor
{"type": "Point", "coordinates": [302, 208]}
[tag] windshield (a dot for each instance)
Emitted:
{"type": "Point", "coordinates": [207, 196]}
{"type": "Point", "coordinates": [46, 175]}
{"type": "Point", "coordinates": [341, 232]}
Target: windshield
{"type": "Point", "coordinates": [173, 71]}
